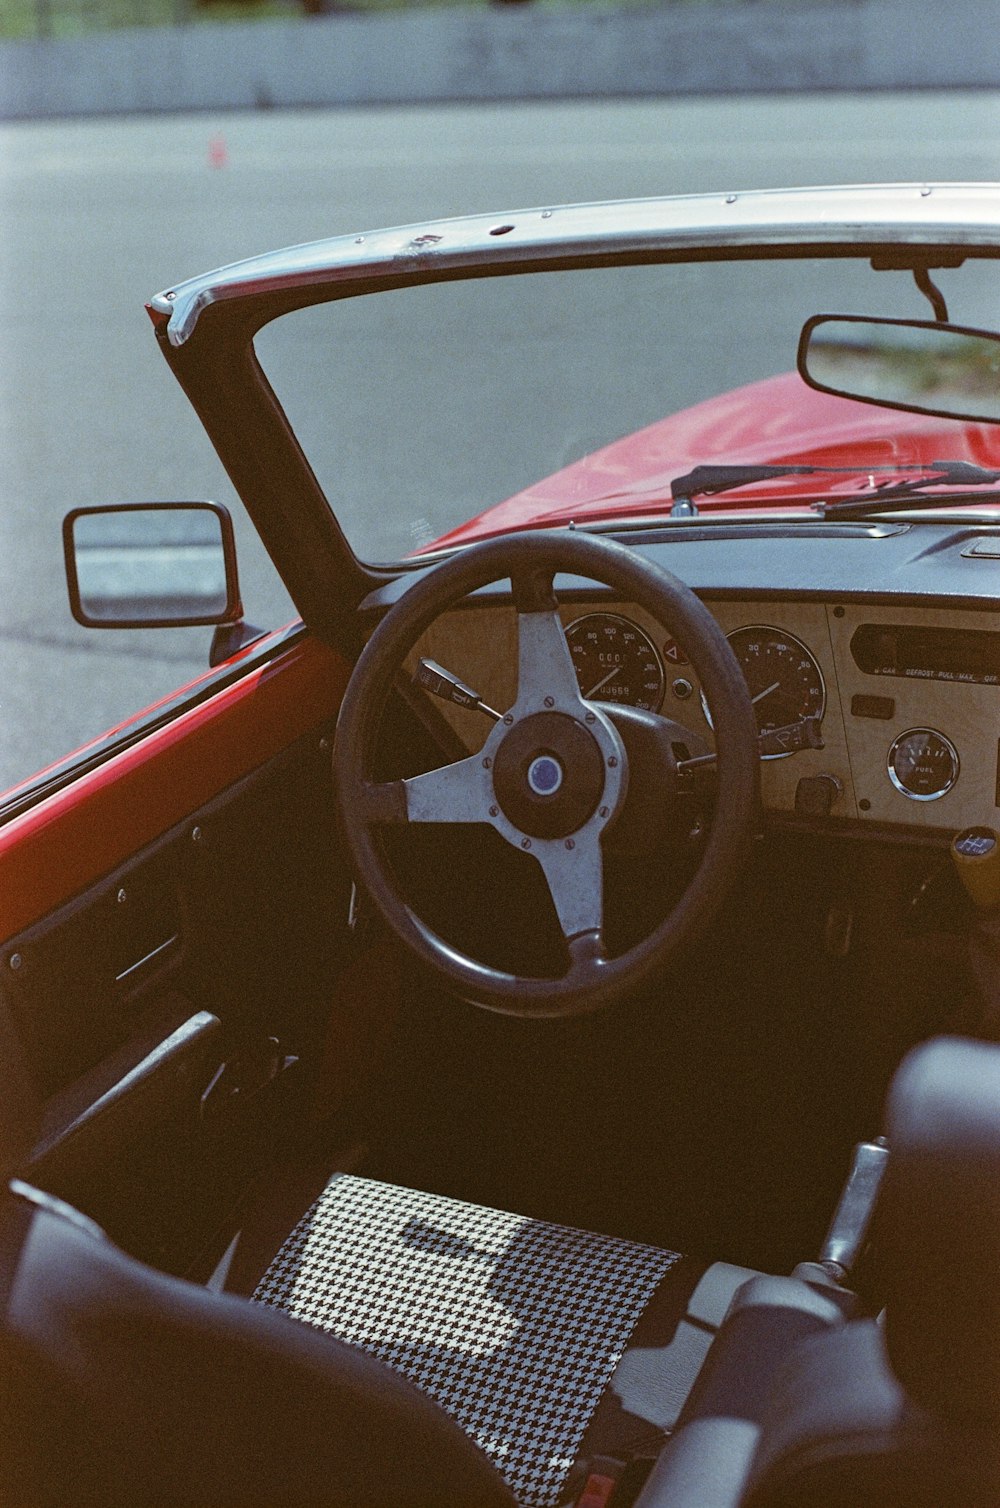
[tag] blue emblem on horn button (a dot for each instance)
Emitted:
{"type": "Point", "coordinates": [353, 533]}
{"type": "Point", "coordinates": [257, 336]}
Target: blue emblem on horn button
{"type": "Point", "coordinates": [545, 775]}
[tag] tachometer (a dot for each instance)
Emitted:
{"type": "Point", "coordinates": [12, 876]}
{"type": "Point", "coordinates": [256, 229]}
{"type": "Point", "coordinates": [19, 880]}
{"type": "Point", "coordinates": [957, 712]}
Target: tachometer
{"type": "Point", "coordinates": [785, 682]}
{"type": "Point", "coordinates": [615, 661]}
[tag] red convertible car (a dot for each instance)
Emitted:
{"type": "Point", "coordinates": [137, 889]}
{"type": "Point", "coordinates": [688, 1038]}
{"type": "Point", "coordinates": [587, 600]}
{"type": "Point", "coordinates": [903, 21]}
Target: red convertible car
{"type": "Point", "coordinates": [525, 1032]}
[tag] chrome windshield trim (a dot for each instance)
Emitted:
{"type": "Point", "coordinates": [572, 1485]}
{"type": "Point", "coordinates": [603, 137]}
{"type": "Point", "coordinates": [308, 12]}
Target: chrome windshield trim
{"type": "Point", "coordinates": [963, 214]}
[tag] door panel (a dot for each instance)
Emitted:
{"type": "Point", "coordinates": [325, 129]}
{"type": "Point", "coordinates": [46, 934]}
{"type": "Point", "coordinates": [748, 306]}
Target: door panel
{"type": "Point", "coordinates": [172, 1004]}
{"type": "Point", "coordinates": [57, 848]}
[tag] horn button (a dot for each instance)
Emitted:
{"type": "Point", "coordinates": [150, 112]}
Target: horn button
{"type": "Point", "coordinates": [548, 775]}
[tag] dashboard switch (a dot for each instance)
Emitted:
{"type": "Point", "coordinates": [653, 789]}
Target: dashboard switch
{"type": "Point", "coordinates": [815, 795]}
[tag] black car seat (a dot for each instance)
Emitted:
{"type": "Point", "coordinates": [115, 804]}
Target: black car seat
{"type": "Point", "coordinates": [875, 1414]}
{"type": "Point", "coordinates": [120, 1385]}
{"type": "Point", "coordinates": [517, 1352]}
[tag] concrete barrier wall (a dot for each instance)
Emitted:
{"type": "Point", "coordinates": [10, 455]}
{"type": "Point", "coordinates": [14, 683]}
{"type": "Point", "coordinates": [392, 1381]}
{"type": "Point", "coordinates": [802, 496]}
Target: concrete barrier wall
{"type": "Point", "coordinates": [507, 53]}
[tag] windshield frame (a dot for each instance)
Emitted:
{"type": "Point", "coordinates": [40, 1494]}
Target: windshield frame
{"type": "Point", "coordinates": [206, 326]}
{"type": "Point", "coordinates": [924, 220]}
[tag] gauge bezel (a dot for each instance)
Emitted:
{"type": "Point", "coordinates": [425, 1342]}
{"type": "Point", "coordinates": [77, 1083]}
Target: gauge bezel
{"type": "Point", "coordinates": [771, 628]}
{"type": "Point", "coordinates": [636, 628]}
{"type": "Point", "coordinates": [956, 765]}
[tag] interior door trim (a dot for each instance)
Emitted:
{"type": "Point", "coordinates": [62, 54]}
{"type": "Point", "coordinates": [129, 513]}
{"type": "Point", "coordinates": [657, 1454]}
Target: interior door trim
{"type": "Point", "coordinates": [65, 843]}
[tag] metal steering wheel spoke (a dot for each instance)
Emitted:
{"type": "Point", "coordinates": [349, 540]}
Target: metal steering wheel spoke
{"type": "Point", "coordinates": [459, 792]}
{"type": "Point", "coordinates": [546, 676]}
{"type": "Point", "coordinates": [574, 871]}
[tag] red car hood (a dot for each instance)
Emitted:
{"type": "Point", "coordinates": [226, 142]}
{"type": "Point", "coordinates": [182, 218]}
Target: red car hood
{"type": "Point", "coordinates": [777, 420]}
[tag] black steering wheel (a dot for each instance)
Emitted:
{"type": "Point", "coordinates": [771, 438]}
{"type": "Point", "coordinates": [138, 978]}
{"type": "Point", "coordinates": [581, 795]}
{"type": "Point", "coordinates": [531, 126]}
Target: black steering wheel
{"type": "Point", "coordinates": [555, 773]}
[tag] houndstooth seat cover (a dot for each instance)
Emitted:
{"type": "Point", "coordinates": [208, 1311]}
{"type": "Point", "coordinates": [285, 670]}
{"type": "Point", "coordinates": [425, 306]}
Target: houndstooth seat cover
{"type": "Point", "coordinates": [512, 1325]}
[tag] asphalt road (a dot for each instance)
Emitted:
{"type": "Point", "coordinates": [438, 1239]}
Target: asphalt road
{"type": "Point", "coordinates": [96, 216]}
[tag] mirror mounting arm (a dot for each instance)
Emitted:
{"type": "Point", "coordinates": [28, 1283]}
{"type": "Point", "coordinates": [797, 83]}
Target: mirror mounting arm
{"type": "Point", "coordinates": [930, 290]}
{"type": "Point", "coordinates": [230, 638]}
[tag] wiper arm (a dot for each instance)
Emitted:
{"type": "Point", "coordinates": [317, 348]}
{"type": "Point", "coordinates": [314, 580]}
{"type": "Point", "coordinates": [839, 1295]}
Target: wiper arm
{"type": "Point", "coordinates": [704, 480]}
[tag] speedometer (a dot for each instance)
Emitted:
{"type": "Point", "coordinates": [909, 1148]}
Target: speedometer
{"type": "Point", "coordinates": [785, 682]}
{"type": "Point", "coordinates": [615, 661]}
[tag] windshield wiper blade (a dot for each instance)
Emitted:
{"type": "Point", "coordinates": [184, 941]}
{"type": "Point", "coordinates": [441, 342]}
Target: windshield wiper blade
{"type": "Point", "coordinates": [703, 481]}
{"type": "Point", "coordinates": [912, 492]}
{"type": "Point", "coordinates": [706, 480]}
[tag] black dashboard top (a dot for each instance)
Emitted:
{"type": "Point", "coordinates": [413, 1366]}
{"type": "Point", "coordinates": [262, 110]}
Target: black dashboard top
{"type": "Point", "coordinates": [949, 564]}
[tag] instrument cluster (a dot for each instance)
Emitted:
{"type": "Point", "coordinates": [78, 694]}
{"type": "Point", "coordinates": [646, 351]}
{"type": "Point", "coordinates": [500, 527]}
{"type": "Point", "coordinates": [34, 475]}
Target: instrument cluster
{"type": "Point", "coordinates": [618, 660]}
{"type": "Point", "coordinates": [901, 705]}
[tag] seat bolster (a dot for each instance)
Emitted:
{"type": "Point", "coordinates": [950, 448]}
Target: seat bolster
{"type": "Point", "coordinates": [121, 1386]}
{"type": "Point", "coordinates": [667, 1349]}
{"type": "Point", "coordinates": [705, 1465]}
{"type": "Point", "coordinates": [939, 1230]}
{"type": "Point", "coordinates": [707, 1462]}
{"type": "Point", "coordinates": [767, 1319]}
{"type": "Point", "coordinates": [838, 1432]}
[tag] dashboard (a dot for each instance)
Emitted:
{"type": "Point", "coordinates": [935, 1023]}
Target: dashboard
{"type": "Point", "coordinates": [905, 691]}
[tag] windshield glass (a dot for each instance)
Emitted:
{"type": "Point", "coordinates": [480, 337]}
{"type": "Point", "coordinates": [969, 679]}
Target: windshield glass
{"type": "Point", "coordinates": [582, 394]}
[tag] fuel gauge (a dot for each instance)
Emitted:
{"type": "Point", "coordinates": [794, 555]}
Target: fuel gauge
{"type": "Point", "coordinates": [923, 764]}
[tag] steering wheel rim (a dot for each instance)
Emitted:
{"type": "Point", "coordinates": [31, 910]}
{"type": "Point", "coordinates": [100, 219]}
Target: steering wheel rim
{"type": "Point", "coordinates": [531, 561]}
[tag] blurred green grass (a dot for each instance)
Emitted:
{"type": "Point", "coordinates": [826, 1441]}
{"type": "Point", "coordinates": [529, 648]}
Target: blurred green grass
{"type": "Point", "coordinates": [74, 18]}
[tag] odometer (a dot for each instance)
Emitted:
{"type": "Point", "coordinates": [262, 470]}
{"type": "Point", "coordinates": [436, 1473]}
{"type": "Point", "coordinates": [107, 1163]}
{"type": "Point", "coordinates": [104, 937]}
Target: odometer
{"type": "Point", "coordinates": [615, 661]}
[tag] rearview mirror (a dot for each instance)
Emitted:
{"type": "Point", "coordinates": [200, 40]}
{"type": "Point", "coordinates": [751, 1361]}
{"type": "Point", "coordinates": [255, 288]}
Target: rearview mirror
{"type": "Point", "coordinates": [915, 365]}
{"type": "Point", "coordinates": [151, 565]}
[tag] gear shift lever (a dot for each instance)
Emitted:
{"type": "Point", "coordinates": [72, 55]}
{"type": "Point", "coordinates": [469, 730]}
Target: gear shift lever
{"type": "Point", "coordinates": [975, 853]}
{"type": "Point", "coordinates": [848, 1230]}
